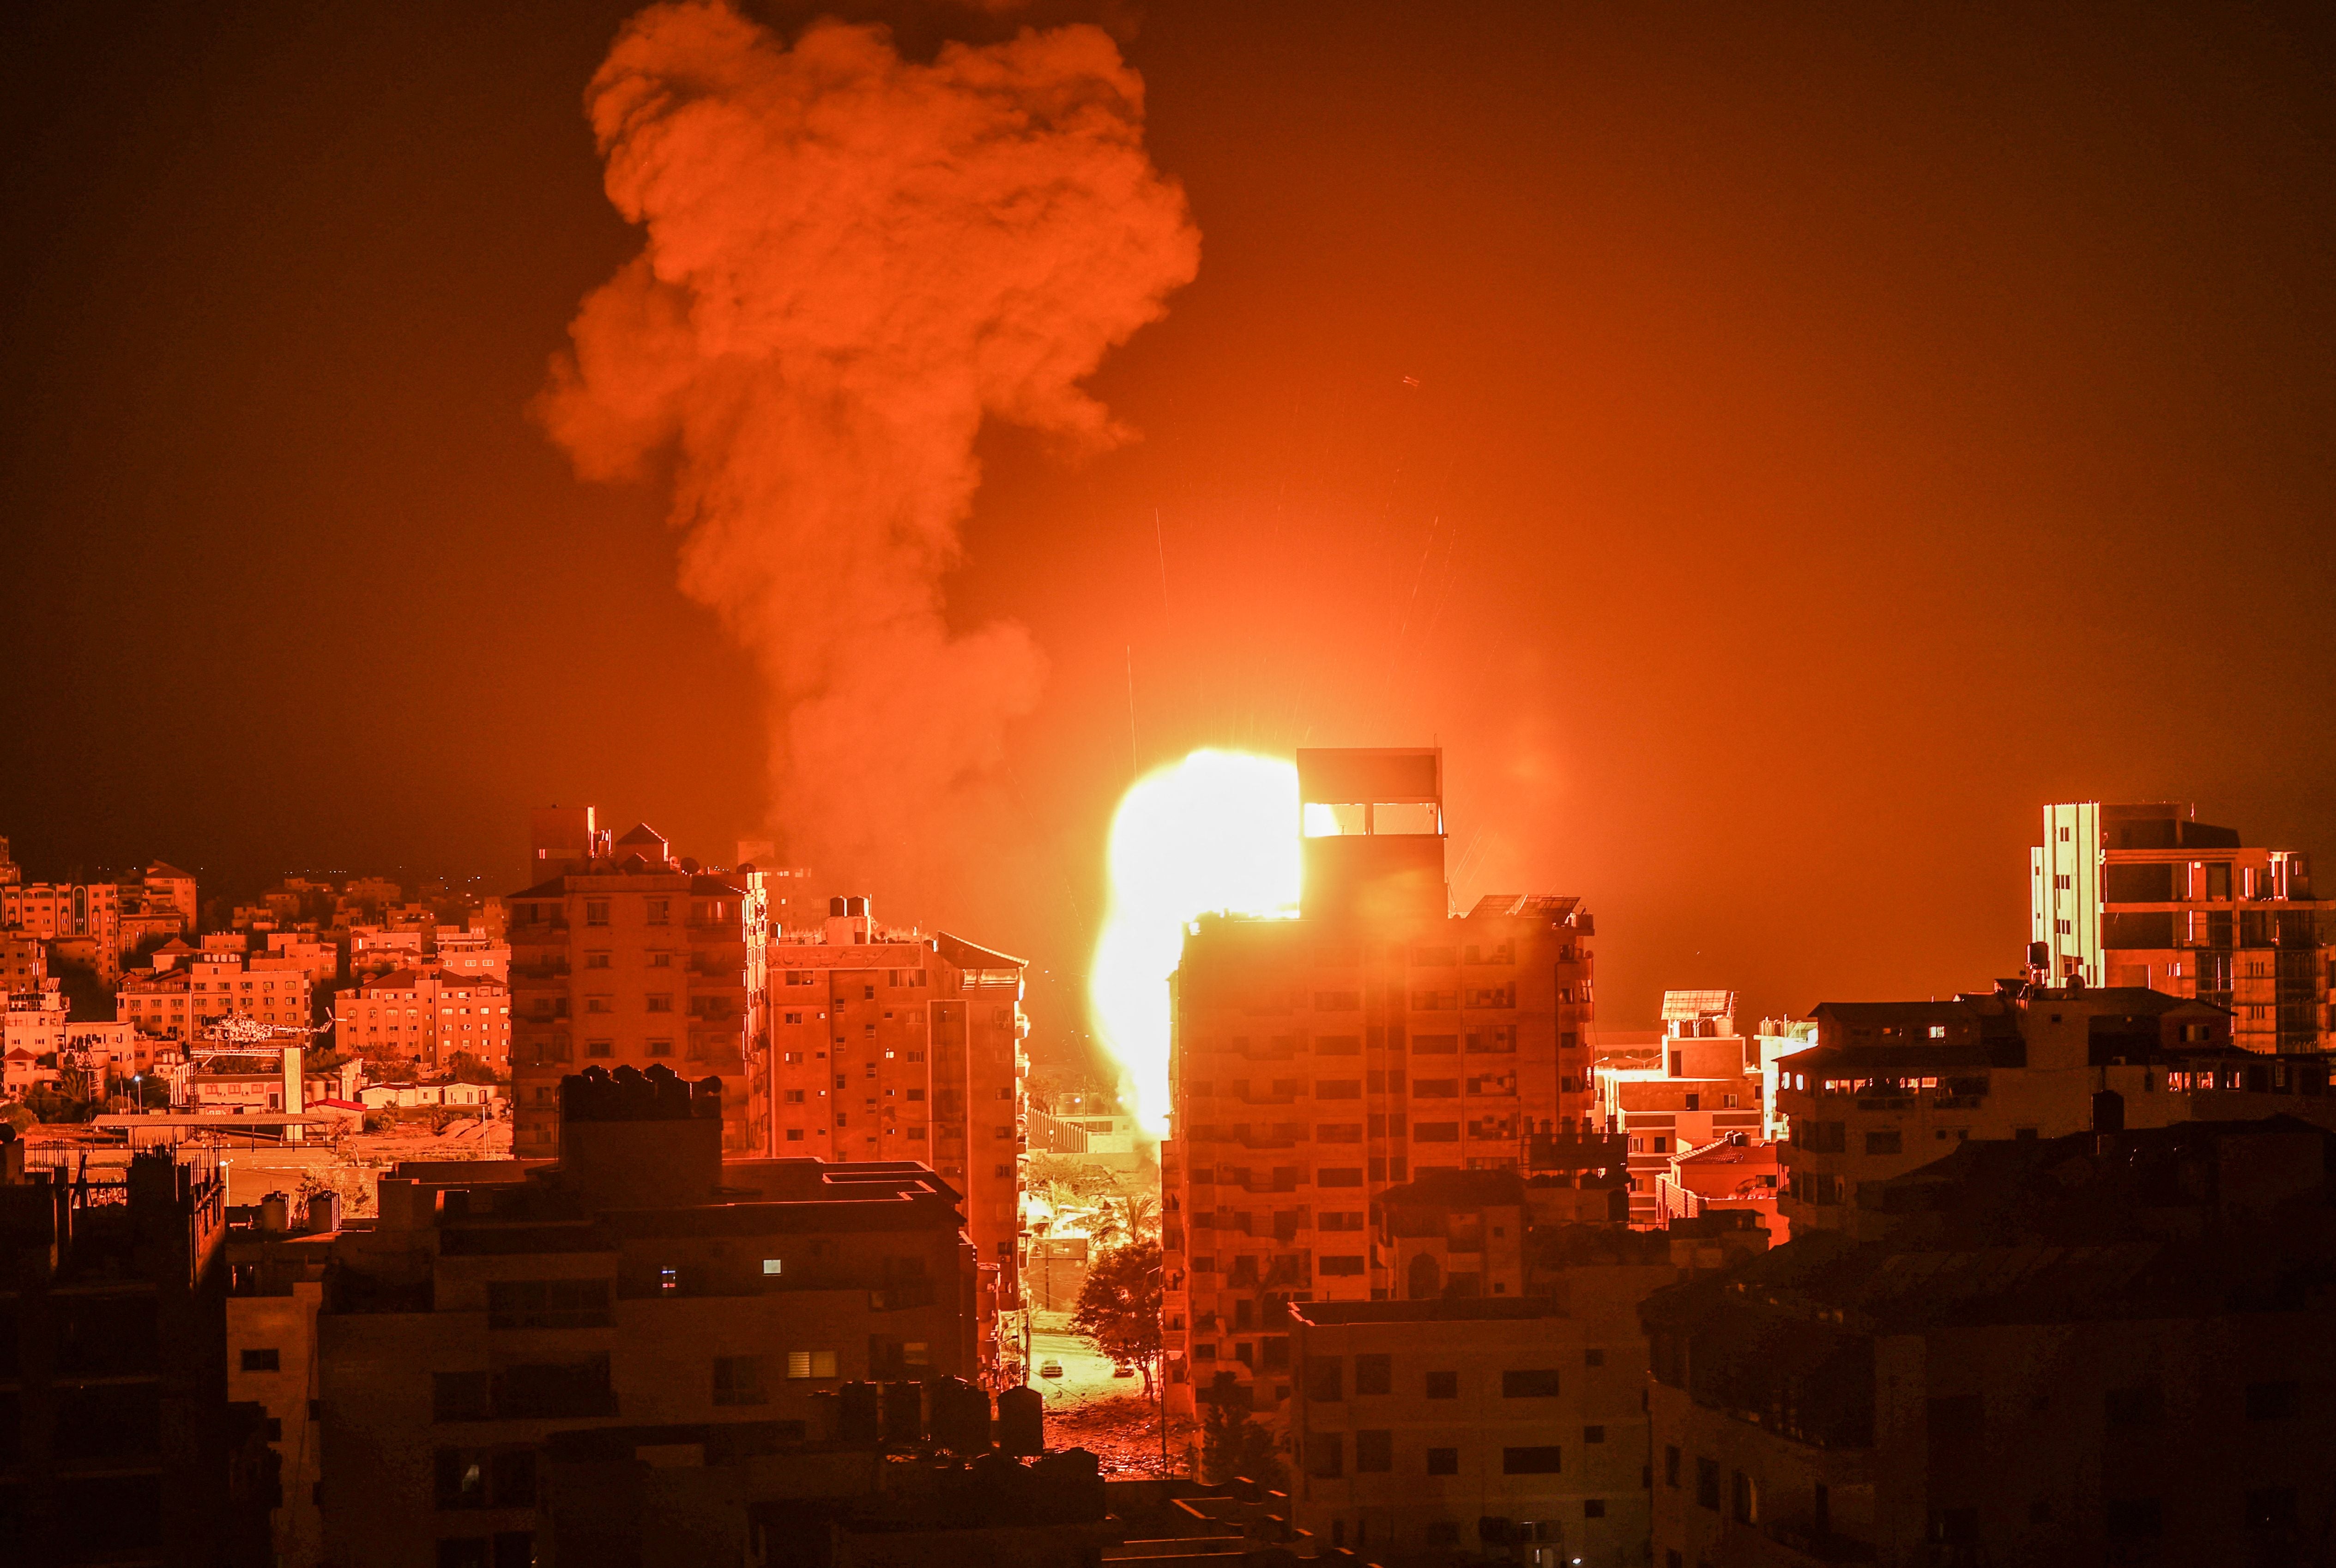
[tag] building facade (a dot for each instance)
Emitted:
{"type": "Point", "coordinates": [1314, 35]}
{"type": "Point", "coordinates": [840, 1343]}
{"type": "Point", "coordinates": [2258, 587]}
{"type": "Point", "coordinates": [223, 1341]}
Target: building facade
{"type": "Point", "coordinates": [637, 961]}
{"type": "Point", "coordinates": [2147, 895]}
{"type": "Point", "coordinates": [2086, 1349]}
{"type": "Point", "coordinates": [892, 1045]}
{"type": "Point", "coordinates": [492, 1314]}
{"type": "Point", "coordinates": [1703, 1089]}
{"type": "Point", "coordinates": [1316, 1061]}
{"type": "Point", "coordinates": [1891, 1086]}
{"type": "Point", "coordinates": [427, 1017]}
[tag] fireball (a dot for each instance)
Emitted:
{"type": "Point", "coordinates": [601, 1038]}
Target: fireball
{"type": "Point", "coordinates": [1216, 831]}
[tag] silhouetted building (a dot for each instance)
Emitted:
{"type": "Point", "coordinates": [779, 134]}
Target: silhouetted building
{"type": "Point", "coordinates": [1892, 1086]}
{"type": "Point", "coordinates": [1317, 1061]}
{"type": "Point", "coordinates": [635, 960]}
{"type": "Point", "coordinates": [2148, 895]}
{"type": "Point", "coordinates": [892, 1045]}
{"type": "Point", "coordinates": [2103, 1348]}
{"type": "Point", "coordinates": [117, 1440]}
{"type": "Point", "coordinates": [495, 1315]}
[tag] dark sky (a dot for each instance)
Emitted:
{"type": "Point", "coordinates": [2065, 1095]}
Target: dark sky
{"type": "Point", "coordinates": [1834, 434]}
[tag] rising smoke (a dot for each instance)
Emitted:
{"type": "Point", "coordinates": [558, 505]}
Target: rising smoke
{"type": "Point", "coordinates": [851, 260]}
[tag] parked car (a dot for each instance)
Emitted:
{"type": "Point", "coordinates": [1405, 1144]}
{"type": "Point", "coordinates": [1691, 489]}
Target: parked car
{"type": "Point", "coordinates": [1123, 1372]}
{"type": "Point", "coordinates": [1050, 1368]}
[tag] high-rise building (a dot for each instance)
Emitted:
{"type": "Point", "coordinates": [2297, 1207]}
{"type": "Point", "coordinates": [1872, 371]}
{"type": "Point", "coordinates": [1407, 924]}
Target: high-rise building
{"type": "Point", "coordinates": [2148, 895]}
{"type": "Point", "coordinates": [893, 1045]}
{"type": "Point", "coordinates": [632, 958]}
{"type": "Point", "coordinates": [1317, 1061]}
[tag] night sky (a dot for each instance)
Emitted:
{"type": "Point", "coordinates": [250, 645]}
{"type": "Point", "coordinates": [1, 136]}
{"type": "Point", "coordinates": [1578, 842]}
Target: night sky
{"type": "Point", "coordinates": [1771, 454]}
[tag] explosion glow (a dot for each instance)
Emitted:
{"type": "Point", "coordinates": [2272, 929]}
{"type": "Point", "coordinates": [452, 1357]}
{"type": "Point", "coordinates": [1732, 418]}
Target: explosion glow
{"type": "Point", "coordinates": [1215, 831]}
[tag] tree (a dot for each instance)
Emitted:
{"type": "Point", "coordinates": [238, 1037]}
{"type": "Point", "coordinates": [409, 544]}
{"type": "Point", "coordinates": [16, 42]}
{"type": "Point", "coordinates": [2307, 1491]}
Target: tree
{"type": "Point", "coordinates": [1128, 1217]}
{"type": "Point", "coordinates": [1232, 1445]}
{"type": "Point", "coordinates": [467, 1068]}
{"type": "Point", "coordinates": [1118, 1309]}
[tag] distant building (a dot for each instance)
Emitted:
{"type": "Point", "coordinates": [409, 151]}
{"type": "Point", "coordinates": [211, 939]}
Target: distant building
{"type": "Point", "coordinates": [60, 912]}
{"type": "Point", "coordinates": [1698, 1092]}
{"type": "Point", "coordinates": [2091, 1349]}
{"type": "Point", "coordinates": [1319, 1061]}
{"type": "Point", "coordinates": [1891, 1086]}
{"type": "Point", "coordinates": [426, 1018]}
{"type": "Point", "coordinates": [643, 1283]}
{"type": "Point", "coordinates": [1776, 1039]}
{"type": "Point", "coordinates": [635, 961]}
{"type": "Point", "coordinates": [2149, 896]}
{"type": "Point", "coordinates": [24, 962]}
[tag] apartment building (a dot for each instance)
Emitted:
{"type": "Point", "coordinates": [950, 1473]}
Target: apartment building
{"type": "Point", "coordinates": [1316, 1061]}
{"type": "Point", "coordinates": [86, 915]}
{"type": "Point", "coordinates": [24, 962]}
{"type": "Point", "coordinates": [2091, 1349]}
{"type": "Point", "coordinates": [427, 1017]}
{"type": "Point", "coordinates": [2147, 895]}
{"type": "Point", "coordinates": [1891, 1086]}
{"type": "Point", "coordinates": [892, 1045]}
{"type": "Point", "coordinates": [199, 987]}
{"type": "Point", "coordinates": [117, 1440]}
{"type": "Point", "coordinates": [1703, 1088]}
{"type": "Point", "coordinates": [1482, 1423]}
{"type": "Point", "coordinates": [638, 958]}
{"type": "Point", "coordinates": [494, 1313]}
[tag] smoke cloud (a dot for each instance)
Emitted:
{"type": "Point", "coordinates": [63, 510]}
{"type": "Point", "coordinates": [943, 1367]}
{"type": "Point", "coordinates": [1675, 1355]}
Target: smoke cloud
{"type": "Point", "coordinates": [852, 259]}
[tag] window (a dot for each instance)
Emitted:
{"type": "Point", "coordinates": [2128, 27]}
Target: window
{"type": "Point", "coordinates": [1536, 1383]}
{"type": "Point", "coordinates": [772, 1265]}
{"type": "Point", "coordinates": [596, 961]}
{"type": "Point", "coordinates": [661, 1002]}
{"type": "Point", "coordinates": [1443, 1385]}
{"type": "Point", "coordinates": [1706, 1484]}
{"type": "Point", "coordinates": [2265, 1401]}
{"type": "Point", "coordinates": [1323, 1375]}
{"type": "Point", "coordinates": [1443, 1461]}
{"type": "Point", "coordinates": [1593, 1434]}
{"type": "Point", "coordinates": [460, 1477]}
{"type": "Point", "coordinates": [1744, 1498]}
{"type": "Point", "coordinates": [660, 1048]}
{"type": "Point", "coordinates": [1325, 1456]}
{"type": "Point", "coordinates": [1593, 1507]}
{"type": "Point", "coordinates": [1539, 1461]}
{"type": "Point", "coordinates": [600, 1049]}
{"type": "Point", "coordinates": [1594, 1356]}
{"type": "Point", "coordinates": [738, 1380]}
{"type": "Point", "coordinates": [596, 912]}
{"type": "Point", "coordinates": [804, 1364]}
{"type": "Point", "coordinates": [1670, 1465]}
{"type": "Point", "coordinates": [660, 912]}
{"type": "Point", "coordinates": [268, 1360]}
{"type": "Point", "coordinates": [458, 1397]}
{"type": "Point", "coordinates": [1373, 1375]}
{"type": "Point", "coordinates": [1883, 1143]}
{"type": "Point", "coordinates": [1374, 1453]}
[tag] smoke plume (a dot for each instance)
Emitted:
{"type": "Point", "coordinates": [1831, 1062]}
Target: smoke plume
{"type": "Point", "coordinates": [851, 260]}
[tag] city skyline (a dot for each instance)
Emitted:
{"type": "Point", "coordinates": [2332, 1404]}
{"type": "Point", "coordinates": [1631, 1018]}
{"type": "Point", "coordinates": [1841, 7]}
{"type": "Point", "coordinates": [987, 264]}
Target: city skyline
{"type": "Point", "coordinates": [1784, 483]}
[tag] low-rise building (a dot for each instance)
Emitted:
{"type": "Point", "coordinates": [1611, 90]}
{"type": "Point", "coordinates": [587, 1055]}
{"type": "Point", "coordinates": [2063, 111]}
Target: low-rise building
{"type": "Point", "coordinates": [1892, 1086]}
{"type": "Point", "coordinates": [2101, 1348]}
{"type": "Point", "coordinates": [426, 1018]}
{"type": "Point", "coordinates": [1699, 1090]}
